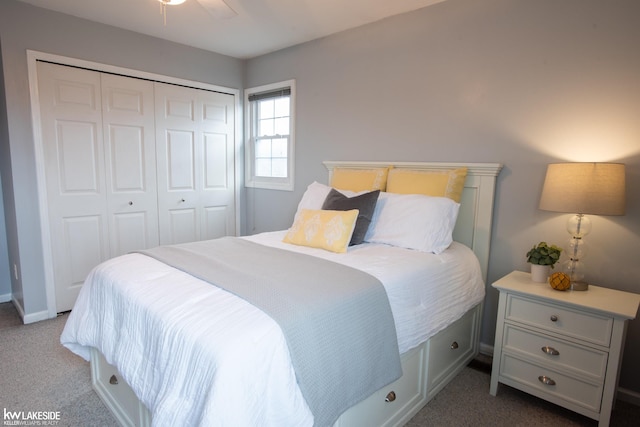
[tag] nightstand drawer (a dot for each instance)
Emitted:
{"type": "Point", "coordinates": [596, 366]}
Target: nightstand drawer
{"type": "Point", "coordinates": [561, 355]}
{"type": "Point", "coordinates": [552, 385]}
{"type": "Point", "coordinates": [555, 318]}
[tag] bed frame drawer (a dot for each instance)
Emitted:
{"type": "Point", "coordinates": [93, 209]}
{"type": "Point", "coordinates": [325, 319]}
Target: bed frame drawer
{"type": "Point", "coordinates": [116, 393]}
{"type": "Point", "coordinates": [392, 402]}
{"type": "Point", "coordinates": [420, 381]}
{"type": "Point", "coordinates": [449, 347]}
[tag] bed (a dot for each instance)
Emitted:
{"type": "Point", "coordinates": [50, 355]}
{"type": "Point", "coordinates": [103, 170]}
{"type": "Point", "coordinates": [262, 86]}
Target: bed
{"type": "Point", "coordinates": [131, 324]}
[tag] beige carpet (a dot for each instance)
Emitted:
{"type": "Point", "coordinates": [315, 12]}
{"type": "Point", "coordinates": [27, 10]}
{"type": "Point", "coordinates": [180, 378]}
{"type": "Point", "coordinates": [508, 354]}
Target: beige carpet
{"type": "Point", "coordinates": [466, 402]}
{"type": "Point", "coordinates": [38, 374]}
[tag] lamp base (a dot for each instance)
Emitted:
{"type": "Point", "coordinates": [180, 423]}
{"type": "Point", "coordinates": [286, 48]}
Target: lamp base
{"type": "Point", "coordinates": [579, 286]}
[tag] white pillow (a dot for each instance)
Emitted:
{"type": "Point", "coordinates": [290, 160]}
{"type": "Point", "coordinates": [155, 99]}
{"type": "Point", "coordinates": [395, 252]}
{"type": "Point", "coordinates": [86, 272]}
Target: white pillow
{"type": "Point", "coordinates": [413, 221]}
{"type": "Point", "coordinates": [313, 198]}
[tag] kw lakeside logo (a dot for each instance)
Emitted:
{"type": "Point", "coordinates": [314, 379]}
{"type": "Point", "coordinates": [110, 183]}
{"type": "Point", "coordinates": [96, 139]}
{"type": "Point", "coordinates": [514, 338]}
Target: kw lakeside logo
{"type": "Point", "coordinates": [31, 418]}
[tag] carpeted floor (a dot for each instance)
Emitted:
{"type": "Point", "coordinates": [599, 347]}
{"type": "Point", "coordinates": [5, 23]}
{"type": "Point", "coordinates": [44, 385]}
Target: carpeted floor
{"type": "Point", "coordinates": [38, 374]}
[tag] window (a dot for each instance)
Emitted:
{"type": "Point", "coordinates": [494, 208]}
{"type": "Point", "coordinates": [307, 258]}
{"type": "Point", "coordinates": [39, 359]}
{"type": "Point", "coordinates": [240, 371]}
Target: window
{"type": "Point", "coordinates": [269, 111]}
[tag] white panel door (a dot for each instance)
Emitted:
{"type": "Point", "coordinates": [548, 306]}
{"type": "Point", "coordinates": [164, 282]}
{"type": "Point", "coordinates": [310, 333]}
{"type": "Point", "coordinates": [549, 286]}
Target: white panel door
{"type": "Point", "coordinates": [130, 163]}
{"type": "Point", "coordinates": [195, 152]}
{"type": "Point", "coordinates": [71, 122]}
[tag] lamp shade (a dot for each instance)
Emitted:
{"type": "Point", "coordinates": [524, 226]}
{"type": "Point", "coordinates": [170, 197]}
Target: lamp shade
{"type": "Point", "coordinates": [584, 188]}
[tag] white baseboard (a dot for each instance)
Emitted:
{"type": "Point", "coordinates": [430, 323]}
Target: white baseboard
{"type": "Point", "coordinates": [18, 307]}
{"type": "Point", "coordinates": [486, 349]}
{"type": "Point", "coordinates": [629, 396]}
{"type": "Point", "coordinates": [35, 317]}
{"type": "Point", "coordinates": [31, 317]}
{"type": "Point", "coordinates": [5, 298]}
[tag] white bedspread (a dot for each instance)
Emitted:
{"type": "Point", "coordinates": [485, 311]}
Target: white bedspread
{"type": "Point", "coordinates": [197, 355]}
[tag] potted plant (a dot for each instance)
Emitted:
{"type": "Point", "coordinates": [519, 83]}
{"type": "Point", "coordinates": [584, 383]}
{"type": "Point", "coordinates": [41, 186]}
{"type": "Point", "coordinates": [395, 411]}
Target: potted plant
{"type": "Point", "coordinates": [542, 258]}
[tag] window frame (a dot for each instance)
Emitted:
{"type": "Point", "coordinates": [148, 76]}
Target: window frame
{"type": "Point", "coordinates": [271, 183]}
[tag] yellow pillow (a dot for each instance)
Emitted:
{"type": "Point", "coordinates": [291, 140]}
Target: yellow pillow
{"type": "Point", "coordinates": [325, 229]}
{"type": "Point", "coordinates": [445, 183]}
{"type": "Point", "coordinates": [359, 179]}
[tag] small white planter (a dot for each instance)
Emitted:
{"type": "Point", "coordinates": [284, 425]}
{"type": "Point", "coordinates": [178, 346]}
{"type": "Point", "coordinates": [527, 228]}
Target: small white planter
{"type": "Point", "coordinates": [540, 273]}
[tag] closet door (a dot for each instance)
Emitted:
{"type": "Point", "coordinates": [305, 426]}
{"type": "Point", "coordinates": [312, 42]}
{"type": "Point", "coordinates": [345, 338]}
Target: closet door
{"type": "Point", "coordinates": [99, 147]}
{"type": "Point", "coordinates": [195, 152]}
{"type": "Point", "coordinates": [130, 159]}
{"type": "Point", "coordinates": [71, 123]}
{"type": "Point", "coordinates": [130, 164]}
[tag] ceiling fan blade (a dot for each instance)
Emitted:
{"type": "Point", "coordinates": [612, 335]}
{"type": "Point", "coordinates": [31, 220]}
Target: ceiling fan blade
{"type": "Point", "coordinates": [218, 8]}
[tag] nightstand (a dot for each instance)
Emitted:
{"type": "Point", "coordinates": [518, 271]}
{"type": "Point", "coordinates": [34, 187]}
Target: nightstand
{"type": "Point", "coordinates": [564, 347]}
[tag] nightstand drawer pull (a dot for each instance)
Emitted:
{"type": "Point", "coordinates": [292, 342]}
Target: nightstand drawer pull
{"type": "Point", "coordinates": [554, 318]}
{"type": "Point", "coordinates": [454, 345]}
{"type": "Point", "coordinates": [390, 397]}
{"type": "Point", "coordinates": [113, 380]}
{"type": "Point", "coordinates": [550, 350]}
{"type": "Point", "coordinates": [546, 380]}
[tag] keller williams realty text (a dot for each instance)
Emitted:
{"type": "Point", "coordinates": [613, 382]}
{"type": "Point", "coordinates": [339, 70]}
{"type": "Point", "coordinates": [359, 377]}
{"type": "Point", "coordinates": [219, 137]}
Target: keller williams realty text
{"type": "Point", "coordinates": [31, 417]}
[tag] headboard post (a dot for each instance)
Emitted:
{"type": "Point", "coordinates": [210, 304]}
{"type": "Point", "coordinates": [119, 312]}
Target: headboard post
{"type": "Point", "coordinates": [473, 227]}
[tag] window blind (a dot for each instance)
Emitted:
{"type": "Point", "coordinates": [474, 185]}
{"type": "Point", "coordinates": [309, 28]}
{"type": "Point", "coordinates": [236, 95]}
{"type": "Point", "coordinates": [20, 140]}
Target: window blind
{"type": "Point", "coordinates": [285, 91]}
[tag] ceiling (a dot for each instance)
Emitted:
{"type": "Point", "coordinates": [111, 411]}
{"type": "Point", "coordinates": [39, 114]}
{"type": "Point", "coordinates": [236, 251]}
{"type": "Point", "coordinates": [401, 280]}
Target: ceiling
{"type": "Point", "coordinates": [258, 27]}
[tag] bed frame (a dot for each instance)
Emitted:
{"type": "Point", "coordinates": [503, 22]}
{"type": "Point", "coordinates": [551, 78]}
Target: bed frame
{"type": "Point", "coordinates": [426, 369]}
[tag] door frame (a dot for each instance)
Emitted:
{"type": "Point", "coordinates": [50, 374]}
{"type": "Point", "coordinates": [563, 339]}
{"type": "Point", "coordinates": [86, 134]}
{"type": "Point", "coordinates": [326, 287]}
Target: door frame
{"type": "Point", "coordinates": [32, 58]}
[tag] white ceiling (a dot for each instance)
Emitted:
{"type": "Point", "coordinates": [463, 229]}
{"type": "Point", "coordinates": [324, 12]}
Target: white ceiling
{"type": "Point", "coordinates": [260, 26]}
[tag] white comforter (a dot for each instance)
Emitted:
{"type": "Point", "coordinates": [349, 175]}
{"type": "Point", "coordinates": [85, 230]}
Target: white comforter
{"type": "Point", "coordinates": [196, 355]}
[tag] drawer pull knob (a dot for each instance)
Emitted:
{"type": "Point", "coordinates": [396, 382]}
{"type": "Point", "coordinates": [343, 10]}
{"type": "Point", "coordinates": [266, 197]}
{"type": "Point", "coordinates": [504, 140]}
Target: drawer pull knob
{"type": "Point", "coordinates": [546, 380]}
{"type": "Point", "coordinates": [390, 397]}
{"type": "Point", "coordinates": [550, 350]}
{"type": "Point", "coordinates": [554, 318]}
{"type": "Point", "coordinates": [113, 380]}
{"type": "Point", "coordinates": [454, 345]}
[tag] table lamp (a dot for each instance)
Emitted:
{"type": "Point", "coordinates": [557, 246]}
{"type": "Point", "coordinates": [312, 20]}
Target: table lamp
{"type": "Point", "coordinates": [582, 188]}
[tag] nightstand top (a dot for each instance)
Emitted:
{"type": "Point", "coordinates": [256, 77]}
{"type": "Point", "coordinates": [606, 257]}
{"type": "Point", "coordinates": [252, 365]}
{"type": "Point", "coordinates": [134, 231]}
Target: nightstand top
{"type": "Point", "coordinates": [611, 301]}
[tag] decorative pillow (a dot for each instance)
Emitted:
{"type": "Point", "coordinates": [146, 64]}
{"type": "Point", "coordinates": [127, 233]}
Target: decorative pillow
{"type": "Point", "coordinates": [446, 183]}
{"type": "Point", "coordinates": [414, 221]}
{"type": "Point", "coordinates": [359, 179]}
{"type": "Point", "coordinates": [325, 229]}
{"type": "Point", "coordinates": [365, 203]}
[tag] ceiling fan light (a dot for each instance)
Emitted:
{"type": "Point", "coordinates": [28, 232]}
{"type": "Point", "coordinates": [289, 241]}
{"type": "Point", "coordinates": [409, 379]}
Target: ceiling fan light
{"type": "Point", "coordinates": [171, 2]}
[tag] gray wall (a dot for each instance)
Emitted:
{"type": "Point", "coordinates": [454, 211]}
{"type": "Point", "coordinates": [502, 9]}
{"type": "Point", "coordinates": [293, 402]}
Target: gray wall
{"type": "Point", "coordinates": [25, 27]}
{"type": "Point", "coordinates": [524, 83]}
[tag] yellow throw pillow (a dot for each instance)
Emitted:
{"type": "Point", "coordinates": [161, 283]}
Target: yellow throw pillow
{"type": "Point", "coordinates": [359, 179]}
{"type": "Point", "coordinates": [446, 183]}
{"type": "Point", "coordinates": [324, 229]}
